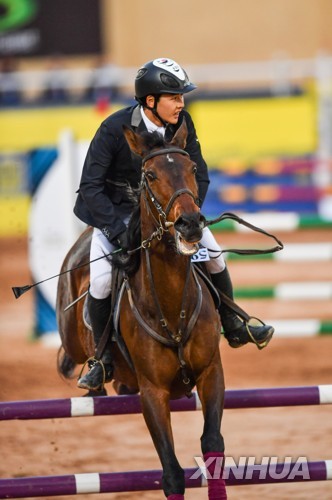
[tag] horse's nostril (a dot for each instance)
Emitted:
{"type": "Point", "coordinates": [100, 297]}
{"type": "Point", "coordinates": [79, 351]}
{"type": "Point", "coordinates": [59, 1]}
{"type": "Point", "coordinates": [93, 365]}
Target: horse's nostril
{"type": "Point", "coordinates": [183, 222]}
{"type": "Point", "coordinates": [180, 221]}
{"type": "Point", "coordinates": [190, 226]}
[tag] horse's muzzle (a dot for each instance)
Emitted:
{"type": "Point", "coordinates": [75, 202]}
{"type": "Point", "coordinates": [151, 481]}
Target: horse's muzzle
{"type": "Point", "coordinates": [188, 232]}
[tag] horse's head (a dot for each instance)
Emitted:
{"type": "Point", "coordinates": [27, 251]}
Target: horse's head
{"type": "Point", "coordinates": [169, 185]}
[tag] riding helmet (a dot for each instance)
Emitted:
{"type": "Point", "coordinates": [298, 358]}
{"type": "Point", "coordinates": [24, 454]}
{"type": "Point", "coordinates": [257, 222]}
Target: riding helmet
{"type": "Point", "coordinates": [162, 76]}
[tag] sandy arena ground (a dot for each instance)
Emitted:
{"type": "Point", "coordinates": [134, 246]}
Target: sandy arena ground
{"type": "Point", "coordinates": [106, 444]}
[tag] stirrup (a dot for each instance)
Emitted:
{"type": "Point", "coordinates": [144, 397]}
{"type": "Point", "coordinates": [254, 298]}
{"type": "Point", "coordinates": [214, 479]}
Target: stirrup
{"type": "Point", "coordinates": [236, 341]}
{"type": "Point", "coordinates": [92, 362]}
{"type": "Point", "coordinates": [270, 332]}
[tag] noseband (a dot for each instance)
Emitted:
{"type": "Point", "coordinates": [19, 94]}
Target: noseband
{"type": "Point", "coordinates": [164, 213]}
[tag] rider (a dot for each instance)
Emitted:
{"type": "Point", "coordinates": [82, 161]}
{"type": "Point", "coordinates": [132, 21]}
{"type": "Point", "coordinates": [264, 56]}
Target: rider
{"type": "Point", "coordinates": [110, 176]}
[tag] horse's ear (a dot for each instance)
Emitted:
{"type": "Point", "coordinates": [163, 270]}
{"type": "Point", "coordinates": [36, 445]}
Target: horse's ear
{"type": "Point", "coordinates": [135, 141]}
{"type": "Point", "coordinates": [180, 138]}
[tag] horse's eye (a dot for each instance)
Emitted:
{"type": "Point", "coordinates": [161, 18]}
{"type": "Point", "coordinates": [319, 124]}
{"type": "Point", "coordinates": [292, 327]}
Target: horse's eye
{"type": "Point", "coordinates": [150, 175]}
{"type": "Point", "coordinates": [194, 169]}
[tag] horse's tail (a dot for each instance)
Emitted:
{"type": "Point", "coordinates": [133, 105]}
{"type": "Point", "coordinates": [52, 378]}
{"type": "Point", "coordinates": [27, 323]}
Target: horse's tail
{"type": "Point", "coordinates": [65, 364]}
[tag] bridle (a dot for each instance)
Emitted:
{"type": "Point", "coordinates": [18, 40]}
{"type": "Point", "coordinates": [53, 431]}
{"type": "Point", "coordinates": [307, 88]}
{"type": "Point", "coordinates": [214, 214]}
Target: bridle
{"type": "Point", "coordinates": [163, 213]}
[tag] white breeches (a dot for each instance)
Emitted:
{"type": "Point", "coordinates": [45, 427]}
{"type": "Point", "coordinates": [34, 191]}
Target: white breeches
{"type": "Point", "coordinates": [101, 270]}
{"type": "Point", "coordinates": [217, 262]}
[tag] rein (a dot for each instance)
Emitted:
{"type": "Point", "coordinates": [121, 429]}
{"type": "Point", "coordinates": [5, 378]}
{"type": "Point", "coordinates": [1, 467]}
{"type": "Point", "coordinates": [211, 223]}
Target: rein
{"type": "Point", "coordinates": [253, 251]}
{"type": "Point", "coordinates": [178, 338]}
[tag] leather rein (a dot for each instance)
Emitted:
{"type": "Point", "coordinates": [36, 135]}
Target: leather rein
{"type": "Point", "coordinates": [178, 339]}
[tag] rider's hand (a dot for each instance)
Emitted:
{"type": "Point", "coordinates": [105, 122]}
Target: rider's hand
{"type": "Point", "coordinates": [121, 241]}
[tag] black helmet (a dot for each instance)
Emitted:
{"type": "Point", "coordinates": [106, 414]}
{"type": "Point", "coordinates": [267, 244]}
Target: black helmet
{"type": "Point", "coordinates": [161, 76]}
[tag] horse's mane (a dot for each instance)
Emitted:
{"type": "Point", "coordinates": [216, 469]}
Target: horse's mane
{"type": "Point", "coordinates": [153, 140]}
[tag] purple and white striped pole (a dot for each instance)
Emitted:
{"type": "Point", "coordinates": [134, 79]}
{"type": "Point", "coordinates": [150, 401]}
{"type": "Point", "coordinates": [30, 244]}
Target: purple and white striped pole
{"type": "Point", "coordinates": [151, 480]}
{"type": "Point", "coordinates": [121, 405]}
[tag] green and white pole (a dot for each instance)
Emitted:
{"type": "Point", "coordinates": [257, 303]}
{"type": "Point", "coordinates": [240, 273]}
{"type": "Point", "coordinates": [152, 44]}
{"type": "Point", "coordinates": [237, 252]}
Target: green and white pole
{"type": "Point", "coordinates": [287, 291]}
{"type": "Point", "coordinates": [300, 328]}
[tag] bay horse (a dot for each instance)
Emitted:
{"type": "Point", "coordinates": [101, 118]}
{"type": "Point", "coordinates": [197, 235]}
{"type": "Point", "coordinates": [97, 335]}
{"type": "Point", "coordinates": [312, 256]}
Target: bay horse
{"type": "Point", "coordinates": [168, 318]}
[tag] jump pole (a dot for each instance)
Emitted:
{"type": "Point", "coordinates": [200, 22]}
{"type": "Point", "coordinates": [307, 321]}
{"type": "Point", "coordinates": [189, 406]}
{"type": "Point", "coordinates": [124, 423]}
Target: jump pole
{"type": "Point", "coordinates": [151, 480]}
{"type": "Point", "coordinates": [126, 405]}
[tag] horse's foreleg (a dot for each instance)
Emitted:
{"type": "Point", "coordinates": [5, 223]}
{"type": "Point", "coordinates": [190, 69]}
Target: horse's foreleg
{"type": "Point", "coordinates": [211, 388]}
{"type": "Point", "coordinates": [155, 406]}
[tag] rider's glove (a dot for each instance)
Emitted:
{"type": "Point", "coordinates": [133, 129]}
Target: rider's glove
{"type": "Point", "coordinates": [121, 241]}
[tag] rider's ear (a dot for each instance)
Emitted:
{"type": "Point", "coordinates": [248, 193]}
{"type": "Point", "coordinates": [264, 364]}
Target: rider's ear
{"type": "Point", "coordinates": [135, 141]}
{"type": "Point", "coordinates": [150, 101]}
{"type": "Point", "coordinates": [180, 138]}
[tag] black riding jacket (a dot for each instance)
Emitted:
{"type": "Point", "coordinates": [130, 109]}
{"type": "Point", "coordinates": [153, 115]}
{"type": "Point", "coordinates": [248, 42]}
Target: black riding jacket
{"type": "Point", "coordinates": [103, 199]}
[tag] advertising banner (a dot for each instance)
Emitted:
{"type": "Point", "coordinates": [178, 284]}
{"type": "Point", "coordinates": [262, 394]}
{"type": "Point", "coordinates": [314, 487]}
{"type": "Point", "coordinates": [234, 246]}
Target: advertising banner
{"type": "Point", "coordinates": [48, 27]}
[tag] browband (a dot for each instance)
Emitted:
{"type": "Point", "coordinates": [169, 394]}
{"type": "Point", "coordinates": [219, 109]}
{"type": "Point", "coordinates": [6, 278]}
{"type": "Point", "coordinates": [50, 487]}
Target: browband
{"type": "Point", "coordinates": [164, 152]}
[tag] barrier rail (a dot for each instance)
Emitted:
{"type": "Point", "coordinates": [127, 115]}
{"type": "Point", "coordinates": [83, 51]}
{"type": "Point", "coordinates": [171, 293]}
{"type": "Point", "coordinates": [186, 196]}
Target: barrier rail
{"type": "Point", "coordinates": [120, 405]}
{"type": "Point", "coordinates": [151, 479]}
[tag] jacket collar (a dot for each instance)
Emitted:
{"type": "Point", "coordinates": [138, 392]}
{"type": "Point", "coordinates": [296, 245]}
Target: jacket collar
{"type": "Point", "coordinates": [137, 120]}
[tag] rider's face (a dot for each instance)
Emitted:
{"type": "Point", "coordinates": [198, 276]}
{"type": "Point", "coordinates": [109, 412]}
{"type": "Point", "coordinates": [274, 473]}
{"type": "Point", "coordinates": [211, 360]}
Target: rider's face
{"type": "Point", "coordinates": [169, 106]}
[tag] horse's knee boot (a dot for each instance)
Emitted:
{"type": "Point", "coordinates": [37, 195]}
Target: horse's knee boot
{"type": "Point", "coordinates": [235, 330]}
{"type": "Point", "coordinates": [214, 462]}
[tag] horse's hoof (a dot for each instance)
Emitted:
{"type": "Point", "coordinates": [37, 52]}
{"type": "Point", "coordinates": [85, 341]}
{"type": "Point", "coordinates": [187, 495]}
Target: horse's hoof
{"type": "Point", "coordinates": [94, 393]}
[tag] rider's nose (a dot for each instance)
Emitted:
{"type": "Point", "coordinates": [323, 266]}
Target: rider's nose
{"type": "Point", "coordinates": [180, 102]}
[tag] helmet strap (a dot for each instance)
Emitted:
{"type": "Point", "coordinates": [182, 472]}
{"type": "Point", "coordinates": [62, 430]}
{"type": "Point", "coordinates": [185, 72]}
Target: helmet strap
{"type": "Point", "coordinates": [154, 110]}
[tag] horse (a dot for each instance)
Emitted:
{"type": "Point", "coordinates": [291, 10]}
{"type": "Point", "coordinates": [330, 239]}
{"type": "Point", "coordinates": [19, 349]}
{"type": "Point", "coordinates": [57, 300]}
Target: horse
{"type": "Point", "coordinates": [167, 316]}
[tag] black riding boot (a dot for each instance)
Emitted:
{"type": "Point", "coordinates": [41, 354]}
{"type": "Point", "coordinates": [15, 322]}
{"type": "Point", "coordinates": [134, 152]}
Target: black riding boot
{"type": "Point", "coordinates": [235, 329]}
{"type": "Point", "coordinates": [99, 311]}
